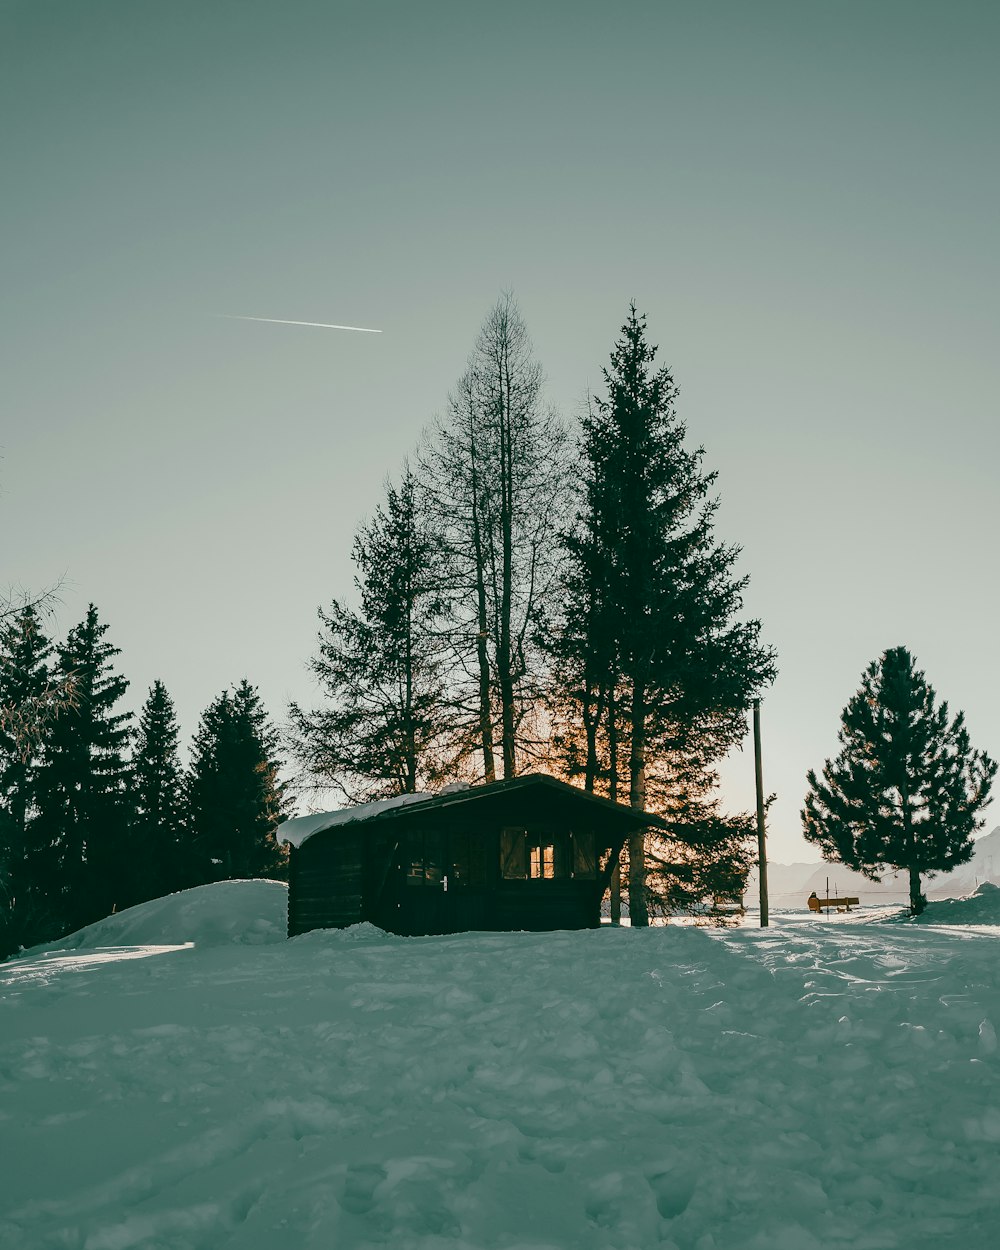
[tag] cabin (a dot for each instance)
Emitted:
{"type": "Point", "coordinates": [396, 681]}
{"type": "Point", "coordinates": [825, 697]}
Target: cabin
{"type": "Point", "coordinates": [530, 853]}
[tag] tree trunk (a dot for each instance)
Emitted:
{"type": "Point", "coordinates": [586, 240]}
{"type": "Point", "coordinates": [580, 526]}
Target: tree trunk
{"type": "Point", "coordinates": [505, 679]}
{"type": "Point", "coordinates": [590, 729]}
{"type": "Point", "coordinates": [638, 908]}
{"type": "Point", "coordinates": [504, 657]}
{"type": "Point", "coordinates": [408, 718]}
{"type": "Point", "coordinates": [917, 900]}
{"type": "Point", "coordinates": [592, 710]}
{"type": "Point", "coordinates": [616, 876]}
{"type": "Point", "coordinates": [612, 741]}
{"type": "Point", "coordinates": [616, 895]}
{"type": "Point", "coordinates": [485, 711]}
{"type": "Point", "coordinates": [482, 637]}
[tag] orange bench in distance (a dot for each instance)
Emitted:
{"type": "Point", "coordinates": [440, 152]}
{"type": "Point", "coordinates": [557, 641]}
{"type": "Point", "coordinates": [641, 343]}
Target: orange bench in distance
{"type": "Point", "coordinates": [822, 904]}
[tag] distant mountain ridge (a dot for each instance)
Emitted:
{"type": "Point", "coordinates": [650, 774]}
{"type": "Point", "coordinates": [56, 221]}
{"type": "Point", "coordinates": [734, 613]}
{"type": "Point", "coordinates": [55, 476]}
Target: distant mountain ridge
{"type": "Point", "coordinates": [788, 883]}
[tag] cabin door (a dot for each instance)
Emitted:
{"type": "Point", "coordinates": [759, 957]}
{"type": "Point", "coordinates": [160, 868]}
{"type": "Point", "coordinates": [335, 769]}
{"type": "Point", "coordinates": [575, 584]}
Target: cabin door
{"type": "Point", "coordinates": [423, 893]}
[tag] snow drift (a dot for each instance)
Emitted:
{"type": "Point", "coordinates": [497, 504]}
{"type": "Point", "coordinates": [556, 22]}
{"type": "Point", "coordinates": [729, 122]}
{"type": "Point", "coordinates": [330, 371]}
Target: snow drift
{"type": "Point", "coordinates": [246, 912]}
{"type": "Point", "coordinates": [980, 908]}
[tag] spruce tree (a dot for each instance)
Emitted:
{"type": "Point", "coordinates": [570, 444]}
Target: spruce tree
{"type": "Point", "coordinates": [26, 689]}
{"type": "Point", "coordinates": [160, 804]}
{"type": "Point", "coordinates": [661, 668]}
{"type": "Point", "coordinates": [83, 798]}
{"type": "Point", "coordinates": [236, 800]}
{"type": "Point", "coordinates": [381, 667]}
{"type": "Point", "coordinates": [906, 788]}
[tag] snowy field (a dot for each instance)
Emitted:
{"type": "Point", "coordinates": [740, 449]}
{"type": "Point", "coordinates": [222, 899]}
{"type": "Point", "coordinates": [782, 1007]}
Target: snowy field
{"type": "Point", "coordinates": [181, 1078]}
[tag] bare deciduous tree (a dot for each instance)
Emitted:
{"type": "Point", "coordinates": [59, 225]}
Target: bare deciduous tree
{"type": "Point", "coordinates": [495, 472]}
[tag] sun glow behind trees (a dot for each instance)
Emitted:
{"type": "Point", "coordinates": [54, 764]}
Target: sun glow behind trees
{"type": "Point", "coordinates": [581, 614]}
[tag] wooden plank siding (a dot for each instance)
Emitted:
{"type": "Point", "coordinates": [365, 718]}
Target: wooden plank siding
{"type": "Point", "coordinates": [325, 884]}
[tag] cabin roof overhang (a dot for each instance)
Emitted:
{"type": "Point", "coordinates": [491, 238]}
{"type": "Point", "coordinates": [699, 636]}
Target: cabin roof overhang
{"type": "Point", "coordinates": [618, 817]}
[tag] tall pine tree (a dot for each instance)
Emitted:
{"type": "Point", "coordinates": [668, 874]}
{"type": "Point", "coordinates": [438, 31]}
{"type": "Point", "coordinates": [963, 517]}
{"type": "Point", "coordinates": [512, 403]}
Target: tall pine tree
{"type": "Point", "coordinates": [236, 799]}
{"type": "Point", "coordinates": [381, 667]}
{"type": "Point", "coordinates": [160, 801]}
{"type": "Point", "coordinates": [83, 798]}
{"type": "Point", "coordinates": [655, 660]}
{"type": "Point", "coordinates": [906, 788]}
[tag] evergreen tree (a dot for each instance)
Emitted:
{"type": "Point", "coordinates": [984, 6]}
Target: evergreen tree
{"type": "Point", "coordinates": [381, 667]}
{"type": "Point", "coordinates": [160, 800]}
{"type": "Point", "coordinates": [83, 799]}
{"type": "Point", "coordinates": [236, 800]}
{"type": "Point", "coordinates": [906, 788]}
{"type": "Point", "coordinates": [660, 669]}
{"type": "Point", "coordinates": [25, 693]}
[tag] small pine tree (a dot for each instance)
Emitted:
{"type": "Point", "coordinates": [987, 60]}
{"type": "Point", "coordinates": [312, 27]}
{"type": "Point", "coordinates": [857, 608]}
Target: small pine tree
{"type": "Point", "coordinates": [906, 788]}
{"type": "Point", "coordinates": [381, 667]}
{"type": "Point", "coordinates": [25, 692]}
{"type": "Point", "coordinates": [159, 798]}
{"type": "Point", "coordinates": [236, 800]}
{"type": "Point", "coordinates": [83, 799]}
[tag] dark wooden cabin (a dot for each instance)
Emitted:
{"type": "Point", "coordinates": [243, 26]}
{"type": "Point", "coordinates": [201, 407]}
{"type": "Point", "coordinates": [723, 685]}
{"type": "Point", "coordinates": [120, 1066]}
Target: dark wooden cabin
{"type": "Point", "coordinates": [529, 853]}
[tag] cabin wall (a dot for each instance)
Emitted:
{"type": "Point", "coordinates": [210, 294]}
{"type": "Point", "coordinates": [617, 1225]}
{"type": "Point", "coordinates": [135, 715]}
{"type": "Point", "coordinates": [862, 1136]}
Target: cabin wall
{"type": "Point", "coordinates": [325, 883]}
{"type": "Point", "coordinates": [447, 877]}
{"type": "Point", "coordinates": [542, 906]}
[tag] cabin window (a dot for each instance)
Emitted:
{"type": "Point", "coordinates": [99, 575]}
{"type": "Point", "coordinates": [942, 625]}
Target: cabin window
{"type": "Point", "coordinates": [548, 856]}
{"type": "Point", "coordinates": [513, 860]}
{"type": "Point", "coordinates": [425, 858]}
{"type": "Point", "coordinates": [585, 854]}
{"type": "Point", "coordinates": [468, 859]}
{"type": "Point", "coordinates": [433, 856]}
{"type": "Point", "coordinates": [530, 854]}
{"type": "Point", "coordinates": [542, 860]}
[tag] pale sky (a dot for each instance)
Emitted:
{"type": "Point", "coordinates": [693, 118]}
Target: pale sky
{"type": "Point", "coordinates": [800, 196]}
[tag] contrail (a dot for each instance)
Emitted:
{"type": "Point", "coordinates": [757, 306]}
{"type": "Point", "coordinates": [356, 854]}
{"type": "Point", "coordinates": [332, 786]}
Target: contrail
{"type": "Point", "coordinates": [318, 325]}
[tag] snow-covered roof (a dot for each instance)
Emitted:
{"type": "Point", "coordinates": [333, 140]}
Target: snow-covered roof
{"type": "Point", "coordinates": [299, 828]}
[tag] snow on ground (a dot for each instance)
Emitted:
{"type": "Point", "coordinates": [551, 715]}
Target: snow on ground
{"type": "Point", "coordinates": [824, 1082]}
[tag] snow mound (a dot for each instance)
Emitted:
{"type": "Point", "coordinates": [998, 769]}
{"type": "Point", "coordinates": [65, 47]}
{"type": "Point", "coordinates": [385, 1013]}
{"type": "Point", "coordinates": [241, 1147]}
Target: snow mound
{"type": "Point", "coordinates": [247, 913]}
{"type": "Point", "coordinates": [356, 933]}
{"type": "Point", "coordinates": [979, 908]}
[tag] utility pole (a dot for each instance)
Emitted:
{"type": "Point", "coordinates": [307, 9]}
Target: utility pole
{"type": "Point", "coordinates": [761, 848]}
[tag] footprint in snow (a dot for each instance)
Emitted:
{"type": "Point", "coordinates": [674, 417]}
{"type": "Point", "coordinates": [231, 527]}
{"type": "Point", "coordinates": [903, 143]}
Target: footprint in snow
{"type": "Point", "coordinates": [359, 1187]}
